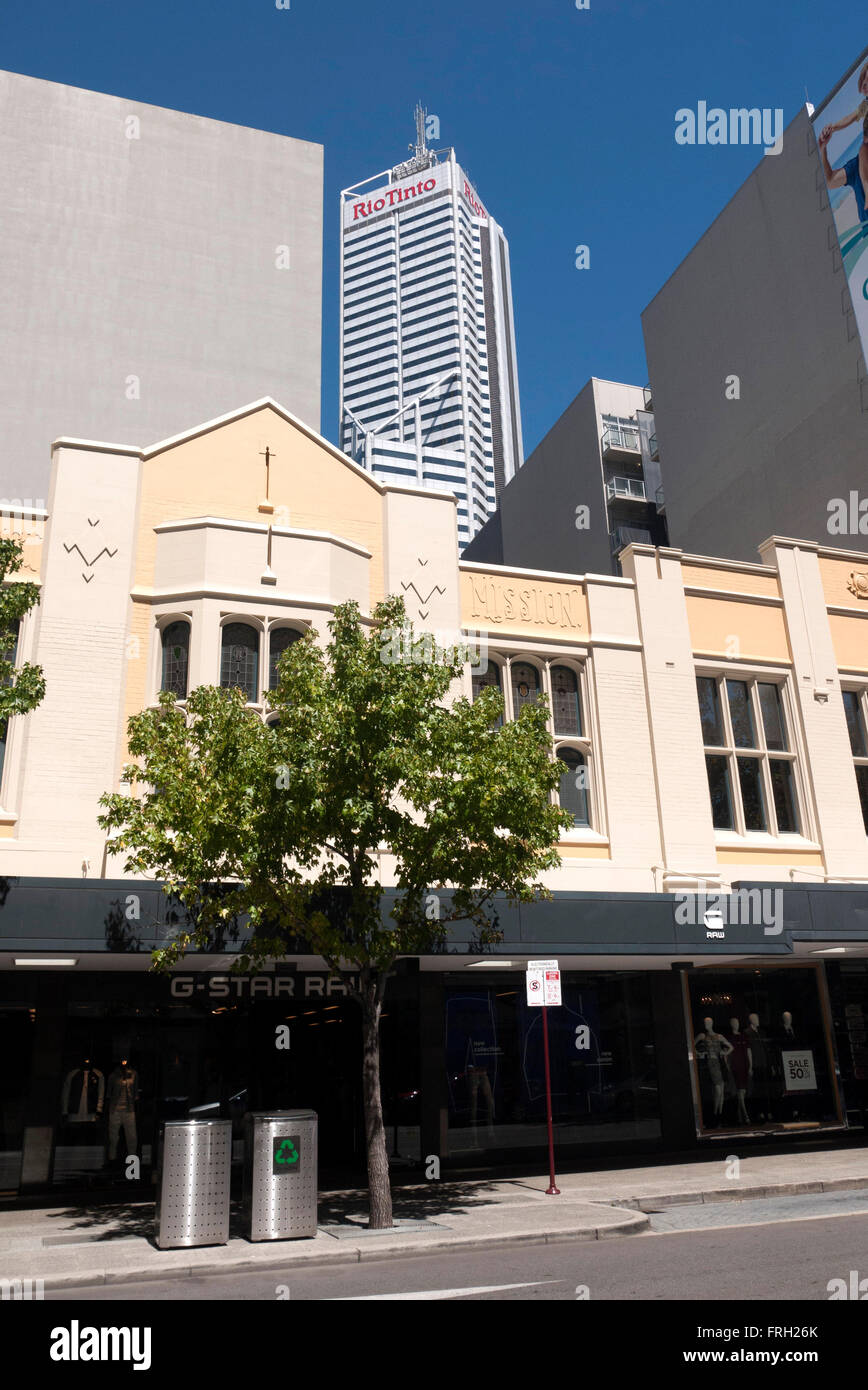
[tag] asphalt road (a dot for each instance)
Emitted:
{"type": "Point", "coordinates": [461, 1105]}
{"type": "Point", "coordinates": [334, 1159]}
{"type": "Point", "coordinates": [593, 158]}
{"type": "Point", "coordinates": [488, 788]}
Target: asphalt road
{"type": "Point", "coordinates": [784, 1248]}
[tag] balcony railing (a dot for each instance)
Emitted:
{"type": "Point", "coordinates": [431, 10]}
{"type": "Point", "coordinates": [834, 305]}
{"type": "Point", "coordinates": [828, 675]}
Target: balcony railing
{"type": "Point", "coordinates": [649, 397]}
{"type": "Point", "coordinates": [631, 488]}
{"type": "Point", "coordinates": [618, 443]}
{"type": "Point", "coordinates": [652, 447]}
{"type": "Point", "coordinates": [660, 500]}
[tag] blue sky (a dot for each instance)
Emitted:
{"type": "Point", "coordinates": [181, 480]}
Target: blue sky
{"type": "Point", "coordinates": [564, 118]}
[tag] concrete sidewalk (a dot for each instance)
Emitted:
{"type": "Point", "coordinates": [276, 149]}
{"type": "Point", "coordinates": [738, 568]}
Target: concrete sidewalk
{"type": "Point", "coordinates": [83, 1243]}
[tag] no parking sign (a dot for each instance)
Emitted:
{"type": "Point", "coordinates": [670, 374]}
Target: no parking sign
{"type": "Point", "coordinates": [543, 980]}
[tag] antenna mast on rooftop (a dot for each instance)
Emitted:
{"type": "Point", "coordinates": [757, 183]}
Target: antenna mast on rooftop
{"type": "Point", "coordinates": [421, 142]}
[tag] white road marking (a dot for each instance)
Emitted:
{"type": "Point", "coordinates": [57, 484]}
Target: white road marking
{"type": "Point", "coordinates": [430, 1294]}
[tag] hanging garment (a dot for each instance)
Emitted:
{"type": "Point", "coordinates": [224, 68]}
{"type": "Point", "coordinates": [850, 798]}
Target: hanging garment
{"type": "Point", "coordinates": [83, 1095]}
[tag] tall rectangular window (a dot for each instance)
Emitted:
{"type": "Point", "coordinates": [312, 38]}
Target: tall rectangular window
{"type": "Point", "coordinates": [749, 760]}
{"type": "Point", "coordinates": [856, 710]}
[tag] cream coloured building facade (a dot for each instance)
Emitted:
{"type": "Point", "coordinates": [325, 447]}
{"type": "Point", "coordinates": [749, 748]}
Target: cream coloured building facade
{"type": "Point", "coordinates": [707, 713]}
{"type": "Point", "coordinates": [190, 531]}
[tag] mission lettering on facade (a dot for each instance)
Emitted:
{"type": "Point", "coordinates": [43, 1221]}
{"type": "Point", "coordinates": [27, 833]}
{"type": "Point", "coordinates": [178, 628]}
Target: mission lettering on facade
{"type": "Point", "coordinates": [527, 603]}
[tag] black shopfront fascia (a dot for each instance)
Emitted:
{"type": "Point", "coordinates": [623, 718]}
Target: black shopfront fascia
{"type": "Point", "coordinates": [129, 917]}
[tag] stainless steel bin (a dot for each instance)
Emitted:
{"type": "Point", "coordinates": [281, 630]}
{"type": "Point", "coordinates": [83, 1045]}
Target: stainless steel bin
{"type": "Point", "coordinates": [280, 1174]}
{"type": "Point", "coordinates": [195, 1166]}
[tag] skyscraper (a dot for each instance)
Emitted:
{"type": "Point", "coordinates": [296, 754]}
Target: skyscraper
{"type": "Point", "coordinates": [429, 381]}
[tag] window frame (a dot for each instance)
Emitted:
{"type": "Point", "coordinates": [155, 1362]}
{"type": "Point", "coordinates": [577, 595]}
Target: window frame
{"type": "Point", "coordinates": [583, 744]}
{"type": "Point", "coordinates": [163, 625]}
{"type": "Point", "coordinates": [759, 753]}
{"type": "Point", "coordinates": [859, 760]}
{"type": "Point", "coordinates": [279, 625]}
{"type": "Point", "coordinates": [6, 725]}
{"type": "Point", "coordinates": [259, 627]}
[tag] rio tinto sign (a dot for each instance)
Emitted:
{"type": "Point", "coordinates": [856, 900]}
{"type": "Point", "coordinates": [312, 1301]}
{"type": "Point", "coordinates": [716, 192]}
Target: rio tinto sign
{"type": "Point", "coordinates": [398, 195]}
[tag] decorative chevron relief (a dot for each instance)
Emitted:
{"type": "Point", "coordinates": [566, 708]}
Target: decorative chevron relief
{"type": "Point", "coordinates": [89, 564]}
{"type": "Point", "coordinates": [424, 598]}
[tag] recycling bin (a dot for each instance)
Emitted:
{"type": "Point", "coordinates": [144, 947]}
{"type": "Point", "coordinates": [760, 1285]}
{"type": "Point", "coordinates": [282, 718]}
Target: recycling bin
{"type": "Point", "coordinates": [194, 1167]}
{"type": "Point", "coordinates": [280, 1174]}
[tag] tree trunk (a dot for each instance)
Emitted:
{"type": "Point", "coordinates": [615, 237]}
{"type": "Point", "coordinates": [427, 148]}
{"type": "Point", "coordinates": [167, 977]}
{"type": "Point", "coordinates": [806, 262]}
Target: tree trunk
{"type": "Point", "coordinates": [372, 985]}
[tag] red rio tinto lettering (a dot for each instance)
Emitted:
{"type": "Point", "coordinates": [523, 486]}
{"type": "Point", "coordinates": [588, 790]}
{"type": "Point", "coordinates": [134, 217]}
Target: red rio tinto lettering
{"type": "Point", "coordinates": [391, 197]}
{"type": "Point", "coordinates": [474, 201]}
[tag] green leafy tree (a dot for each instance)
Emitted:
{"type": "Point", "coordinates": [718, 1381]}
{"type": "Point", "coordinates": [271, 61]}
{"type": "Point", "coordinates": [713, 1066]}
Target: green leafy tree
{"type": "Point", "coordinates": [22, 688]}
{"type": "Point", "coordinates": [287, 824]}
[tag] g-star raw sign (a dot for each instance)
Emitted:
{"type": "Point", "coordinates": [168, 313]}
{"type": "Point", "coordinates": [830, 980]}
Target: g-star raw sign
{"type": "Point", "coordinates": [261, 986]}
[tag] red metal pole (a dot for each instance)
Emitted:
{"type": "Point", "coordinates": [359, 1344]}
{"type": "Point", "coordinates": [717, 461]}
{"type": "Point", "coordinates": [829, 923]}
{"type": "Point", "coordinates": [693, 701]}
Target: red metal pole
{"type": "Point", "coordinates": [552, 1190]}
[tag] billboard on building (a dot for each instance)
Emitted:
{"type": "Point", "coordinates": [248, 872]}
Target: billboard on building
{"type": "Point", "coordinates": [841, 129]}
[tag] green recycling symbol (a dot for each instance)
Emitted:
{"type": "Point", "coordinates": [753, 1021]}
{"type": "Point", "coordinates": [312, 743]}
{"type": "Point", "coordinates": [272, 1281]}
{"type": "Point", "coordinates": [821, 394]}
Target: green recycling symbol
{"type": "Point", "coordinates": [287, 1153]}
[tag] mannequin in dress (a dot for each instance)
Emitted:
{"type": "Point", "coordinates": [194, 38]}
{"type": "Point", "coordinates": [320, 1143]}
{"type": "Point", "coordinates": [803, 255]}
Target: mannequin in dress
{"type": "Point", "coordinates": [715, 1048]}
{"type": "Point", "coordinates": [741, 1064]}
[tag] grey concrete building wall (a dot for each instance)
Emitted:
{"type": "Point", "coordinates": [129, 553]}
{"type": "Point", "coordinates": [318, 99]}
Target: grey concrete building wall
{"type": "Point", "coordinates": [537, 510]}
{"type": "Point", "coordinates": [144, 284]}
{"type": "Point", "coordinates": [762, 296]}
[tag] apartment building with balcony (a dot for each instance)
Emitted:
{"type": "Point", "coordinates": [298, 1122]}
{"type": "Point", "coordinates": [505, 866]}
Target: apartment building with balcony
{"type": "Point", "coordinates": [589, 488]}
{"type": "Point", "coordinates": [709, 717]}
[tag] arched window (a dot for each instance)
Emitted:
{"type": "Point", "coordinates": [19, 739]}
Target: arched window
{"type": "Point", "coordinates": [176, 653]}
{"type": "Point", "coordinates": [10, 655]}
{"type": "Point", "coordinates": [525, 686]}
{"type": "Point", "coordinates": [485, 679]}
{"type": "Point", "coordinates": [239, 659]}
{"type": "Point", "coordinates": [573, 790]}
{"type": "Point", "coordinates": [566, 709]}
{"type": "Point", "coordinates": [279, 639]}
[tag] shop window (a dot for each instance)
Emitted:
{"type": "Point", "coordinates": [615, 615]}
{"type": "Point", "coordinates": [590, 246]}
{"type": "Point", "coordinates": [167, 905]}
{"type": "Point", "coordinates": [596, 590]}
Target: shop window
{"type": "Point", "coordinates": [239, 661]}
{"type": "Point", "coordinates": [761, 1050]}
{"type": "Point", "coordinates": [748, 756]}
{"type": "Point", "coordinates": [176, 655]}
{"type": "Point", "coordinates": [280, 639]}
{"type": "Point", "coordinates": [855, 705]}
{"type": "Point", "coordinates": [603, 1070]}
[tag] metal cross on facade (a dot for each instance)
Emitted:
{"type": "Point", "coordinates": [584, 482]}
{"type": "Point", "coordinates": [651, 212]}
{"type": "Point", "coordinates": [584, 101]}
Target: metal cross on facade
{"type": "Point", "coordinates": [268, 456]}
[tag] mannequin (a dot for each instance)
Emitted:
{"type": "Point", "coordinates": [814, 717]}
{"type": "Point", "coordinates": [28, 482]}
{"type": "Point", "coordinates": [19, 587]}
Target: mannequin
{"type": "Point", "coordinates": [788, 1033]}
{"type": "Point", "coordinates": [478, 1082]}
{"type": "Point", "coordinates": [758, 1044]}
{"type": "Point", "coordinates": [123, 1092]}
{"type": "Point", "coordinates": [715, 1048]}
{"type": "Point", "coordinates": [741, 1064]}
{"type": "Point", "coordinates": [793, 1105]}
{"type": "Point", "coordinates": [83, 1094]}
